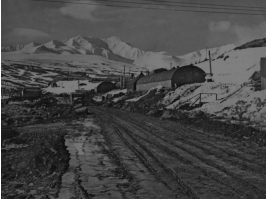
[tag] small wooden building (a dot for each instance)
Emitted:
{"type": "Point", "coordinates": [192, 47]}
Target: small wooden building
{"type": "Point", "coordinates": [105, 87]}
{"type": "Point", "coordinates": [172, 78]}
{"type": "Point", "coordinates": [31, 92]}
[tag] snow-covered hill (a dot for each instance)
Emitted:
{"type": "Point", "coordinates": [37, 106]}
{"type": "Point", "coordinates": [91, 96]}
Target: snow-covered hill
{"type": "Point", "coordinates": [229, 63]}
{"type": "Point", "coordinates": [112, 48]}
{"type": "Point", "coordinates": [235, 66]}
{"type": "Point", "coordinates": [202, 55]}
{"type": "Point", "coordinates": [115, 49]}
{"type": "Point", "coordinates": [12, 48]}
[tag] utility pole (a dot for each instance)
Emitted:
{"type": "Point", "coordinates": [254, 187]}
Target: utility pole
{"type": "Point", "coordinates": [206, 53]}
{"type": "Point", "coordinates": [120, 80]}
{"type": "Point", "coordinates": [210, 60]}
{"type": "Point", "coordinates": [124, 76]}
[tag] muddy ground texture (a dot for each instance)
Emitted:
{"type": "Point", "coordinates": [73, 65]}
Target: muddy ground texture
{"type": "Point", "coordinates": [151, 105]}
{"type": "Point", "coordinates": [151, 153]}
{"type": "Point", "coordinates": [169, 159]}
{"type": "Point", "coordinates": [34, 155]}
{"type": "Point", "coordinates": [33, 161]}
{"type": "Point", "coordinates": [43, 111]}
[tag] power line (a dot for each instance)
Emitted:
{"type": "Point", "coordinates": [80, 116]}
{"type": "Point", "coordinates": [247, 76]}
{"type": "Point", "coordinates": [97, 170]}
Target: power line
{"type": "Point", "coordinates": [150, 8]}
{"type": "Point", "coordinates": [206, 4]}
{"type": "Point", "coordinates": [177, 5]}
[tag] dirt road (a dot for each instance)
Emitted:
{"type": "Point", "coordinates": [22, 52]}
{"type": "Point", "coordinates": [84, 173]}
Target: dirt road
{"type": "Point", "coordinates": [165, 159]}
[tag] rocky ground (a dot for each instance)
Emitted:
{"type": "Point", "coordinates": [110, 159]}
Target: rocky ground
{"type": "Point", "coordinates": [173, 159]}
{"type": "Point", "coordinates": [150, 104]}
{"type": "Point", "coordinates": [34, 159]}
{"type": "Point", "coordinates": [103, 152]}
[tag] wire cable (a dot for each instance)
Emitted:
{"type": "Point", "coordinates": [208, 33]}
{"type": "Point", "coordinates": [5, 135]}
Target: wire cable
{"type": "Point", "coordinates": [150, 8]}
{"type": "Point", "coordinates": [177, 5]}
{"type": "Point", "coordinates": [205, 4]}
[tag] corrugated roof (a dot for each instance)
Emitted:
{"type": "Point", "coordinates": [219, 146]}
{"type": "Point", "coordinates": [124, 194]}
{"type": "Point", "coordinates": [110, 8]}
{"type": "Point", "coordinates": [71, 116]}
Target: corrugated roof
{"type": "Point", "coordinates": [158, 77]}
{"type": "Point", "coordinates": [135, 79]}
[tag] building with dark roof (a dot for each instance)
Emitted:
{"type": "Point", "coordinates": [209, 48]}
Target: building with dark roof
{"type": "Point", "coordinates": [31, 92]}
{"type": "Point", "coordinates": [105, 87]}
{"type": "Point", "coordinates": [172, 78]}
{"type": "Point", "coordinates": [132, 85]}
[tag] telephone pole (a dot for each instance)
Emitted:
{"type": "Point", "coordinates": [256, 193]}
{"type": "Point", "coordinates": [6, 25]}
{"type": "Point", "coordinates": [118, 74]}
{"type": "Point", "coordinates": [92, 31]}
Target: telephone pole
{"type": "Point", "coordinates": [210, 60]}
{"type": "Point", "coordinates": [124, 76]}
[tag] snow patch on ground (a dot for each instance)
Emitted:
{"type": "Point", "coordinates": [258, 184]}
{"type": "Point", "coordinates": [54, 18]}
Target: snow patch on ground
{"type": "Point", "coordinates": [233, 101]}
{"type": "Point", "coordinates": [236, 66]}
{"type": "Point", "coordinates": [138, 98]}
{"type": "Point", "coordinates": [71, 86]}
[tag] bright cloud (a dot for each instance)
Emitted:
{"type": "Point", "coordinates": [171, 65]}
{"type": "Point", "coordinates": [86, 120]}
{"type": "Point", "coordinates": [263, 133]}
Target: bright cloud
{"type": "Point", "coordinates": [80, 11]}
{"type": "Point", "coordinates": [241, 33]}
{"type": "Point", "coordinates": [245, 33]}
{"type": "Point", "coordinates": [219, 26]}
{"type": "Point", "coordinates": [28, 33]}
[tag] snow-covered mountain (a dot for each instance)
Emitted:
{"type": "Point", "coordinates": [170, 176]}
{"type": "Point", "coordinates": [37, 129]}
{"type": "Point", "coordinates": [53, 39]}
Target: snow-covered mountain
{"type": "Point", "coordinates": [12, 48]}
{"type": "Point", "coordinates": [112, 48]}
{"type": "Point", "coordinates": [202, 55]}
{"type": "Point", "coordinates": [235, 66]}
{"type": "Point", "coordinates": [77, 45]}
{"type": "Point", "coordinates": [227, 59]}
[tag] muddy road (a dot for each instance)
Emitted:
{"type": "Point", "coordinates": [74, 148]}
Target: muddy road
{"type": "Point", "coordinates": [165, 159]}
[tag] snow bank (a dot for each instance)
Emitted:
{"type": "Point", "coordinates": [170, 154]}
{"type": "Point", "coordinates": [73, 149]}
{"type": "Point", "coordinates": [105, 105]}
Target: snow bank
{"type": "Point", "coordinates": [71, 86]}
{"type": "Point", "coordinates": [247, 104]}
{"type": "Point", "coordinates": [138, 98]}
{"type": "Point", "coordinates": [188, 93]}
{"type": "Point", "coordinates": [117, 91]}
{"type": "Point", "coordinates": [233, 100]}
{"type": "Point", "coordinates": [236, 66]}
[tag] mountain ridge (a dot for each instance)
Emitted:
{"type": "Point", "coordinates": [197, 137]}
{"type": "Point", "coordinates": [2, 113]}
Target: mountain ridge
{"type": "Point", "coordinates": [115, 49]}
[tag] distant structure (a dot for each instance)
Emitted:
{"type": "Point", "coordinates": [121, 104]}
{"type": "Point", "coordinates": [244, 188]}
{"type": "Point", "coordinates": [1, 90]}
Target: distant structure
{"type": "Point", "coordinates": [263, 73]}
{"type": "Point", "coordinates": [172, 78]}
{"type": "Point", "coordinates": [132, 85]}
{"type": "Point", "coordinates": [31, 92]}
{"type": "Point", "coordinates": [105, 87]}
{"type": "Point", "coordinates": [159, 70]}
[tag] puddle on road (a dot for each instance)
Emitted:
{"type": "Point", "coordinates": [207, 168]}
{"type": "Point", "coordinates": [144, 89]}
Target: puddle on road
{"type": "Point", "coordinates": [93, 168]}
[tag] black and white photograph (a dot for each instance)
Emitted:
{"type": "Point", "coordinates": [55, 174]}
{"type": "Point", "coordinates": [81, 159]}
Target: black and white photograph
{"type": "Point", "coordinates": [133, 99]}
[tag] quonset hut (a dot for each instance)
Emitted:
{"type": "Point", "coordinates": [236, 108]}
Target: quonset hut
{"type": "Point", "coordinates": [173, 78]}
{"type": "Point", "coordinates": [105, 87]}
{"type": "Point", "coordinates": [132, 85]}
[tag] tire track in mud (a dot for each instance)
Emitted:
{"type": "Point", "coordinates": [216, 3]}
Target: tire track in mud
{"type": "Point", "coordinates": [236, 178]}
{"type": "Point", "coordinates": [214, 165]}
{"type": "Point", "coordinates": [208, 148]}
{"type": "Point", "coordinates": [194, 138]}
{"type": "Point", "coordinates": [185, 188]}
{"type": "Point", "coordinates": [190, 163]}
{"type": "Point", "coordinates": [182, 189]}
{"type": "Point", "coordinates": [207, 174]}
{"type": "Point", "coordinates": [237, 154]}
{"type": "Point", "coordinates": [107, 127]}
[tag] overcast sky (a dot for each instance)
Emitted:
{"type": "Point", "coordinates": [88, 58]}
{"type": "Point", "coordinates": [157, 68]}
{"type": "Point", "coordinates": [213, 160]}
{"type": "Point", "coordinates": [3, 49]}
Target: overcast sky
{"type": "Point", "coordinates": [177, 33]}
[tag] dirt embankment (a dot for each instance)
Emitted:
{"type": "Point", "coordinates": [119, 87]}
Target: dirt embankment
{"type": "Point", "coordinates": [168, 159]}
{"type": "Point", "coordinates": [150, 104]}
{"type": "Point", "coordinates": [34, 159]}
